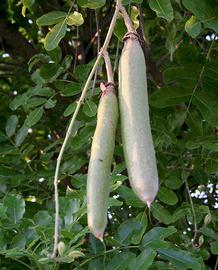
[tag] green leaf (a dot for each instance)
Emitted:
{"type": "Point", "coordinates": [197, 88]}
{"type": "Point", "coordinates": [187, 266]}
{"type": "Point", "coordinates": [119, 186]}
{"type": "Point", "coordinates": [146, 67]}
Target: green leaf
{"type": "Point", "coordinates": [56, 54]}
{"type": "Point", "coordinates": [143, 261]}
{"type": "Point", "coordinates": [142, 218]}
{"type": "Point", "coordinates": [167, 196]}
{"type": "Point", "coordinates": [15, 207]}
{"type": "Point", "coordinates": [114, 202]}
{"type": "Point", "coordinates": [127, 230]}
{"type": "Point", "coordinates": [93, 4]}
{"type": "Point", "coordinates": [210, 81]}
{"type": "Point", "coordinates": [18, 241]}
{"type": "Point", "coordinates": [42, 91]}
{"type": "Point", "coordinates": [195, 124]}
{"type": "Point", "coordinates": [21, 135]}
{"type": "Point", "coordinates": [18, 101]}
{"type": "Point", "coordinates": [35, 102]}
{"type": "Point", "coordinates": [28, 3]}
{"type": "Point", "coordinates": [68, 208]}
{"type": "Point", "coordinates": [82, 71]}
{"type": "Point", "coordinates": [134, 16]}
{"type": "Point", "coordinates": [173, 182]}
{"type": "Point", "coordinates": [34, 117]}
{"type": "Point", "coordinates": [210, 233]}
{"type": "Point", "coordinates": [185, 76]}
{"type": "Point", "coordinates": [11, 125]}
{"type": "Point", "coordinates": [160, 265]}
{"type": "Point", "coordinates": [120, 261]}
{"type": "Point", "coordinates": [83, 137]}
{"type": "Point", "coordinates": [214, 247]}
{"type": "Point", "coordinates": [167, 97]}
{"type": "Point", "coordinates": [66, 63]}
{"type": "Point", "coordinates": [205, 11]}
{"type": "Point", "coordinates": [212, 166]}
{"type": "Point", "coordinates": [207, 103]}
{"type": "Point", "coordinates": [193, 27]}
{"type": "Point", "coordinates": [50, 18]}
{"type": "Point", "coordinates": [55, 35]}
{"type": "Point", "coordinates": [42, 218]}
{"type": "Point", "coordinates": [71, 89]}
{"type": "Point", "coordinates": [50, 71]}
{"type": "Point", "coordinates": [90, 108]}
{"type": "Point", "coordinates": [75, 18]}
{"type": "Point", "coordinates": [180, 259]}
{"type": "Point", "coordinates": [70, 109]}
{"type": "Point", "coordinates": [130, 197]}
{"type": "Point", "coordinates": [181, 213]}
{"type": "Point", "coordinates": [120, 28]}
{"type": "Point", "coordinates": [50, 103]}
{"type": "Point", "coordinates": [72, 165]}
{"type": "Point", "coordinates": [161, 213]}
{"type": "Point", "coordinates": [3, 211]}
{"type": "Point", "coordinates": [157, 234]}
{"type": "Point", "coordinates": [163, 8]}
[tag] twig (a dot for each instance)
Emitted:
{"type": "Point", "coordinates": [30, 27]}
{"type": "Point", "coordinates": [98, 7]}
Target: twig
{"type": "Point", "coordinates": [110, 77]}
{"type": "Point", "coordinates": [127, 20]}
{"type": "Point", "coordinates": [200, 77]}
{"type": "Point", "coordinates": [98, 49]}
{"type": "Point", "coordinates": [80, 102]}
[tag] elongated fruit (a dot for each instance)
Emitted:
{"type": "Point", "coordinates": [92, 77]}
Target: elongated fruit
{"type": "Point", "coordinates": [100, 161]}
{"type": "Point", "coordinates": [135, 123]}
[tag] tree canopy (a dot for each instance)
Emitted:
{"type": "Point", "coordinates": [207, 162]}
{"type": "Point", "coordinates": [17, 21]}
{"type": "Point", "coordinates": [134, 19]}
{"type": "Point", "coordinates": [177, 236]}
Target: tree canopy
{"type": "Point", "coordinates": [47, 49]}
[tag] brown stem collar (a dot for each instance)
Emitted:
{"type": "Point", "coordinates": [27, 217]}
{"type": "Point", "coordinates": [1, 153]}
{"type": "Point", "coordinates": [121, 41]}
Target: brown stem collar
{"type": "Point", "coordinates": [107, 88]}
{"type": "Point", "coordinates": [131, 35]}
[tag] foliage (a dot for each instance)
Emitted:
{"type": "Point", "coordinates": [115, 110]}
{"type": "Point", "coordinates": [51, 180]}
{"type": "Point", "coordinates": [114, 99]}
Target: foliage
{"type": "Point", "coordinates": [41, 79]}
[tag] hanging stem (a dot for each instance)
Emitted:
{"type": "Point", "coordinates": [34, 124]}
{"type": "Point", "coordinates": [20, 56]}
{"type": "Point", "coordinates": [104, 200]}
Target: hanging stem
{"type": "Point", "coordinates": [72, 121]}
{"type": "Point", "coordinates": [98, 49]}
{"type": "Point", "coordinates": [110, 77]}
{"type": "Point", "coordinates": [127, 19]}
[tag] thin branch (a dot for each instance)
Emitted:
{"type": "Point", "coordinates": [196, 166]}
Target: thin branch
{"type": "Point", "coordinates": [127, 19]}
{"type": "Point", "coordinates": [110, 77]}
{"type": "Point", "coordinates": [98, 49]}
{"type": "Point", "coordinates": [106, 19]}
{"type": "Point", "coordinates": [200, 77]}
{"type": "Point", "coordinates": [72, 121]}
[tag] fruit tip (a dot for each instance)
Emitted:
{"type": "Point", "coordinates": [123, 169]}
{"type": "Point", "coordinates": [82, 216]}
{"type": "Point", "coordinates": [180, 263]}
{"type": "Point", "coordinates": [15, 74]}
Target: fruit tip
{"type": "Point", "coordinates": [148, 202]}
{"type": "Point", "coordinates": [99, 236]}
